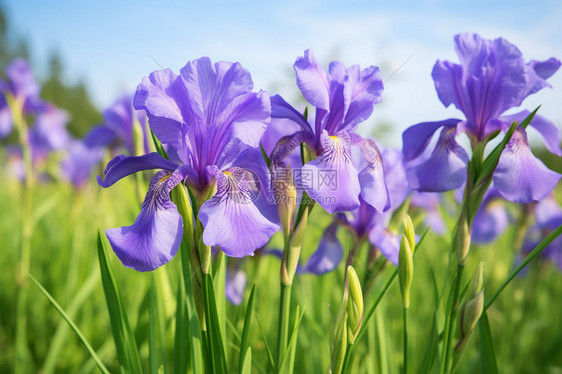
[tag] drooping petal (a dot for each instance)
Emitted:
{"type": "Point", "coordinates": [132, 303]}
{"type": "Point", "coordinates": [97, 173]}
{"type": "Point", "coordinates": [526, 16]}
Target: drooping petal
{"type": "Point", "coordinates": [230, 218]}
{"type": "Point", "coordinates": [313, 80]}
{"type": "Point", "coordinates": [163, 96]}
{"type": "Point", "coordinates": [387, 242]}
{"type": "Point", "coordinates": [121, 166]}
{"type": "Point", "coordinates": [156, 235]}
{"type": "Point", "coordinates": [49, 132]}
{"type": "Point", "coordinates": [547, 128]}
{"type": "Point", "coordinates": [416, 138]}
{"type": "Point", "coordinates": [328, 255]}
{"type": "Point", "coordinates": [331, 179]}
{"type": "Point", "coordinates": [444, 170]}
{"type": "Point", "coordinates": [520, 176]}
{"type": "Point", "coordinates": [372, 178]}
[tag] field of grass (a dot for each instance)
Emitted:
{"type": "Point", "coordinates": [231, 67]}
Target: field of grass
{"type": "Point", "coordinates": [525, 320]}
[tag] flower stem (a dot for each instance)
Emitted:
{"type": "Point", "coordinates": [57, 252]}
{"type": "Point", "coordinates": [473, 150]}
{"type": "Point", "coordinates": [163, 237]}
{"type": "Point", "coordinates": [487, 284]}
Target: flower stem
{"type": "Point", "coordinates": [405, 315]}
{"type": "Point", "coordinates": [449, 325]}
{"type": "Point", "coordinates": [22, 270]}
{"type": "Point", "coordinates": [284, 314]}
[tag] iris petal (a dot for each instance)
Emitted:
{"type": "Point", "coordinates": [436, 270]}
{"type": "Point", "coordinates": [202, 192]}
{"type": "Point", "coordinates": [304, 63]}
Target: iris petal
{"type": "Point", "coordinates": [331, 179]}
{"type": "Point", "coordinates": [328, 255]}
{"type": "Point", "coordinates": [155, 237]}
{"type": "Point", "coordinates": [444, 170]}
{"type": "Point", "coordinates": [520, 176]}
{"type": "Point", "coordinates": [313, 80]}
{"type": "Point", "coordinates": [121, 166]}
{"type": "Point", "coordinates": [372, 180]}
{"type": "Point", "coordinates": [230, 218]}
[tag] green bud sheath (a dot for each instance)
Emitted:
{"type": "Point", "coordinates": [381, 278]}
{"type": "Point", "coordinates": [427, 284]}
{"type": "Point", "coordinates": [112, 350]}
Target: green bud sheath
{"type": "Point", "coordinates": [405, 270]}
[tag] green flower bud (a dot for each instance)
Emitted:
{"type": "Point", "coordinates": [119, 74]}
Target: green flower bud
{"type": "Point", "coordinates": [294, 249]}
{"type": "Point", "coordinates": [405, 270]}
{"type": "Point", "coordinates": [354, 305]}
{"type": "Point", "coordinates": [471, 313]}
{"type": "Point", "coordinates": [285, 195]}
{"type": "Point", "coordinates": [462, 240]}
{"type": "Point", "coordinates": [409, 232]}
{"type": "Point", "coordinates": [476, 283]}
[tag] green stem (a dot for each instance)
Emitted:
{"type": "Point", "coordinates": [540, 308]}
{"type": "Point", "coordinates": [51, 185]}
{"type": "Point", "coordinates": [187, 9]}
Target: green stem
{"type": "Point", "coordinates": [22, 270]}
{"type": "Point", "coordinates": [284, 314]}
{"type": "Point", "coordinates": [534, 253]}
{"type": "Point", "coordinates": [405, 315]}
{"type": "Point", "coordinates": [451, 315]}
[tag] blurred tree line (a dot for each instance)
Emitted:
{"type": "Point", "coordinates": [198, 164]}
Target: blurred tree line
{"type": "Point", "coordinates": [72, 97]}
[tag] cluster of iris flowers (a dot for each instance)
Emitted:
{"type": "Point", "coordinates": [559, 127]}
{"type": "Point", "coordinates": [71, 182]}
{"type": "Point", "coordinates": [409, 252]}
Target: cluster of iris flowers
{"type": "Point", "coordinates": [235, 165]}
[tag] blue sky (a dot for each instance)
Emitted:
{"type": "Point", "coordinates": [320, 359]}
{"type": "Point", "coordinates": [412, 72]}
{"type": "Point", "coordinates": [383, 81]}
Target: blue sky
{"type": "Point", "coordinates": [113, 44]}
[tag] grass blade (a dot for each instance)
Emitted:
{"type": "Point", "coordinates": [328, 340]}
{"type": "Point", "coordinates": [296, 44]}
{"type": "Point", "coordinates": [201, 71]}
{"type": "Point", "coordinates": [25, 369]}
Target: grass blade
{"type": "Point", "coordinates": [127, 350]}
{"type": "Point", "coordinates": [53, 302]}
{"type": "Point", "coordinates": [487, 351]}
{"type": "Point", "coordinates": [246, 330]}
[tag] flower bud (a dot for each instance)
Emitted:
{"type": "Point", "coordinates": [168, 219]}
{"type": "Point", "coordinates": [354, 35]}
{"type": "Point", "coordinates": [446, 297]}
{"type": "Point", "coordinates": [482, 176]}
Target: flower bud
{"type": "Point", "coordinates": [409, 232]}
{"type": "Point", "coordinates": [405, 270]}
{"type": "Point", "coordinates": [295, 245]}
{"type": "Point", "coordinates": [138, 138]}
{"type": "Point", "coordinates": [471, 313]}
{"type": "Point", "coordinates": [476, 283]}
{"type": "Point", "coordinates": [354, 305]}
{"type": "Point", "coordinates": [285, 196]}
{"type": "Point", "coordinates": [462, 240]}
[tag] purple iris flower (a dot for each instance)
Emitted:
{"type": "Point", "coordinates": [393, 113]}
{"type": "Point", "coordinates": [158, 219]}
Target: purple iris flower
{"type": "Point", "coordinates": [118, 126]}
{"type": "Point", "coordinates": [21, 85]}
{"type": "Point", "coordinates": [80, 160]}
{"type": "Point", "coordinates": [343, 97]}
{"type": "Point", "coordinates": [491, 219]}
{"type": "Point", "coordinates": [548, 218]}
{"type": "Point", "coordinates": [211, 122]}
{"type": "Point", "coordinates": [48, 132]}
{"type": "Point", "coordinates": [491, 78]}
{"type": "Point", "coordinates": [365, 221]}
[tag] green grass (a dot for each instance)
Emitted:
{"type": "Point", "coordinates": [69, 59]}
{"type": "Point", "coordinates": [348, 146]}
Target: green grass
{"type": "Point", "coordinates": [525, 323]}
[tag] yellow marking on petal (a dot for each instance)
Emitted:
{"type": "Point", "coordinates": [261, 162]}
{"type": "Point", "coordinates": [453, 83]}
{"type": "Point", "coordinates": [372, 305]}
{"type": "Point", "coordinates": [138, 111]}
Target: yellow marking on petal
{"type": "Point", "coordinates": [164, 178]}
{"type": "Point", "coordinates": [334, 138]}
{"type": "Point", "coordinates": [227, 173]}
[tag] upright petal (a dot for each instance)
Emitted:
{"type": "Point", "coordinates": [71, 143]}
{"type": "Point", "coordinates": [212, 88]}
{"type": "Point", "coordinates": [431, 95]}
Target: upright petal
{"type": "Point", "coordinates": [121, 166]}
{"type": "Point", "coordinates": [444, 170]}
{"type": "Point", "coordinates": [77, 166]}
{"type": "Point", "coordinates": [331, 179]}
{"type": "Point", "coordinates": [520, 176]}
{"type": "Point", "coordinates": [163, 96]}
{"type": "Point", "coordinates": [156, 235]}
{"type": "Point", "coordinates": [366, 90]}
{"type": "Point", "coordinates": [328, 255]}
{"type": "Point", "coordinates": [313, 80]}
{"type": "Point", "coordinates": [230, 218]}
